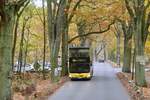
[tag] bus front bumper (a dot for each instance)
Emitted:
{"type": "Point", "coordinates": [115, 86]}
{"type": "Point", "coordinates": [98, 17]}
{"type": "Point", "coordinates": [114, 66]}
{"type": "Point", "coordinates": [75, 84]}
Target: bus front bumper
{"type": "Point", "coordinates": [79, 75]}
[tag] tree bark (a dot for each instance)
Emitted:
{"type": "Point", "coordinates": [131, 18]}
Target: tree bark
{"type": "Point", "coordinates": [44, 42]}
{"type": "Point", "coordinates": [127, 56]}
{"type": "Point", "coordinates": [140, 44]}
{"type": "Point", "coordinates": [139, 49]}
{"type": "Point", "coordinates": [7, 14]}
{"type": "Point", "coordinates": [26, 48]}
{"type": "Point", "coordinates": [65, 53]}
{"type": "Point", "coordinates": [6, 40]}
{"type": "Point", "coordinates": [21, 50]}
{"type": "Point", "coordinates": [15, 40]}
{"type": "Point", "coordinates": [118, 50]}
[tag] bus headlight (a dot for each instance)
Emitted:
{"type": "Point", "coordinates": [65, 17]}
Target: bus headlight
{"type": "Point", "coordinates": [88, 75]}
{"type": "Point", "coordinates": [70, 75]}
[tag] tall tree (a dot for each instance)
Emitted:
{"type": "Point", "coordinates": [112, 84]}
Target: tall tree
{"type": "Point", "coordinates": [21, 50]}
{"type": "Point", "coordinates": [8, 11]}
{"type": "Point", "coordinates": [26, 42]}
{"type": "Point", "coordinates": [67, 18]}
{"type": "Point", "coordinates": [138, 10]}
{"type": "Point", "coordinates": [44, 41]}
{"type": "Point", "coordinates": [55, 30]}
{"type": "Point", "coordinates": [118, 37]}
{"type": "Point", "coordinates": [65, 39]}
{"type": "Point", "coordinates": [19, 13]}
{"type": "Point", "coordinates": [127, 31]}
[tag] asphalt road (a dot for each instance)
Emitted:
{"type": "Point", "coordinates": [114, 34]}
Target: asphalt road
{"type": "Point", "coordinates": [103, 86]}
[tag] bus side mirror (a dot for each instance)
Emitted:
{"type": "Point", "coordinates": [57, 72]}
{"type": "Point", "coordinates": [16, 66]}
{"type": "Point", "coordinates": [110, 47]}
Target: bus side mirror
{"type": "Point", "coordinates": [91, 64]}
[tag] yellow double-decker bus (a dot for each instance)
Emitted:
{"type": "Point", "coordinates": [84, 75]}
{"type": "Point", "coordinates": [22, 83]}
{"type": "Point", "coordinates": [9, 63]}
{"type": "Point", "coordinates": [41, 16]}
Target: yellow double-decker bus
{"type": "Point", "coordinates": [80, 63]}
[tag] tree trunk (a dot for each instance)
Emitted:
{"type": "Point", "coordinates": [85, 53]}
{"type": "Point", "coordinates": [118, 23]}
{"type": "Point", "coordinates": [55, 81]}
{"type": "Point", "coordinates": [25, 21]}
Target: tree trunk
{"type": "Point", "coordinates": [20, 58]}
{"type": "Point", "coordinates": [133, 63]}
{"type": "Point", "coordinates": [139, 67]}
{"type": "Point", "coordinates": [55, 29]}
{"type": "Point", "coordinates": [65, 53]}
{"type": "Point", "coordinates": [26, 48]}
{"type": "Point", "coordinates": [65, 26]}
{"type": "Point", "coordinates": [15, 40]}
{"type": "Point", "coordinates": [6, 40]}
{"type": "Point", "coordinates": [139, 49]}
{"type": "Point", "coordinates": [127, 56]}
{"type": "Point", "coordinates": [44, 42]}
{"type": "Point", "coordinates": [53, 66]}
{"type": "Point", "coordinates": [118, 49]}
{"type": "Point", "coordinates": [105, 58]}
{"type": "Point", "coordinates": [50, 36]}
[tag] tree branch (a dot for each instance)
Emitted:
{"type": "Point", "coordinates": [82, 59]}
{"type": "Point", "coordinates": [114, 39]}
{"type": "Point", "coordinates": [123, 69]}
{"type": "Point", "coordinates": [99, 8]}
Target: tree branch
{"type": "Point", "coordinates": [20, 3]}
{"type": "Point", "coordinates": [126, 28]}
{"type": "Point", "coordinates": [148, 21]}
{"type": "Point", "coordinates": [21, 11]}
{"type": "Point", "coordinates": [148, 4]}
{"type": "Point", "coordinates": [117, 31]}
{"type": "Point", "coordinates": [68, 4]}
{"type": "Point", "coordinates": [146, 31]}
{"type": "Point", "coordinates": [74, 9]}
{"type": "Point", "coordinates": [91, 33]}
{"type": "Point", "coordinates": [102, 47]}
{"type": "Point", "coordinates": [39, 15]}
{"type": "Point", "coordinates": [131, 13]}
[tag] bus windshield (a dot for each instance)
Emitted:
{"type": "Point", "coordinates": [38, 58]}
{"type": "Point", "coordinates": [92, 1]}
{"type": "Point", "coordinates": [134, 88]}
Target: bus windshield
{"type": "Point", "coordinates": [79, 68]}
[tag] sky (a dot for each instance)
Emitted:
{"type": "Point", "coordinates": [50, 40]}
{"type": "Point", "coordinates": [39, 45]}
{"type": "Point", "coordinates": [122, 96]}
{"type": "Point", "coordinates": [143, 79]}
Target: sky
{"type": "Point", "coordinates": [38, 3]}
